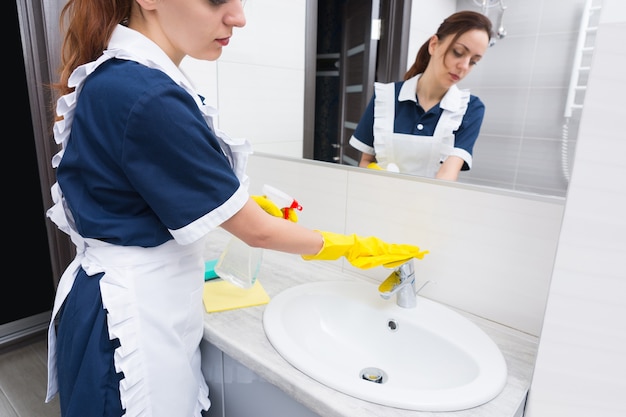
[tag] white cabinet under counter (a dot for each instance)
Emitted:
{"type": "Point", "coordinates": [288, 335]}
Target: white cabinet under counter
{"type": "Point", "coordinates": [235, 346]}
{"type": "Point", "coordinates": [237, 391]}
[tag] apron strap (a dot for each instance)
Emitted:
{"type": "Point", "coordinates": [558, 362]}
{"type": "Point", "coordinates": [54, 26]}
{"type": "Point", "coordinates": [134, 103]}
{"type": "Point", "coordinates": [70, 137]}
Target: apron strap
{"type": "Point", "coordinates": [384, 116]}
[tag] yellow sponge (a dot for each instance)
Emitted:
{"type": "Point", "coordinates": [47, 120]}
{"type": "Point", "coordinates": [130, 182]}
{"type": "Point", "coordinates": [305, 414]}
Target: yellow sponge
{"type": "Point", "coordinates": [221, 295]}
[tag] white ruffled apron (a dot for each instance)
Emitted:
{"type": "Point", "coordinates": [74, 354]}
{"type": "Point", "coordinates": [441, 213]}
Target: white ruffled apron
{"type": "Point", "coordinates": [412, 154]}
{"type": "Point", "coordinates": [135, 287]}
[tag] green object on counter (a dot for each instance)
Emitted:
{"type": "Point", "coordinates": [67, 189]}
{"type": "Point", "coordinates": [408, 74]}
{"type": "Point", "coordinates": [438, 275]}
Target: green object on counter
{"type": "Point", "coordinates": [209, 270]}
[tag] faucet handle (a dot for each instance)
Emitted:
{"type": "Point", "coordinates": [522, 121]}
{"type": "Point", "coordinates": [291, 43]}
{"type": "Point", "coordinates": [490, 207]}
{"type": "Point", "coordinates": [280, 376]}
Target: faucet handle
{"type": "Point", "coordinates": [422, 287]}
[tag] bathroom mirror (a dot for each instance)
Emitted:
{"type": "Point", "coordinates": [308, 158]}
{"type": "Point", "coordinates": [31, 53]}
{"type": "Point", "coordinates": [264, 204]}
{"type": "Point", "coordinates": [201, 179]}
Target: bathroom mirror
{"type": "Point", "coordinates": [271, 74]}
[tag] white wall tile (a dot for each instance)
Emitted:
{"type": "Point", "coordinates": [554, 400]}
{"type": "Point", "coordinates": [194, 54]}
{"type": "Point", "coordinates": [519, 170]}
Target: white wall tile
{"type": "Point", "coordinates": [581, 365]}
{"type": "Point", "coordinates": [259, 78]}
{"type": "Point", "coordinates": [273, 35]}
{"type": "Point", "coordinates": [250, 106]}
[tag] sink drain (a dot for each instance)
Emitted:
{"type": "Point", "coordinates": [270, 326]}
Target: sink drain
{"type": "Point", "coordinates": [374, 375]}
{"type": "Point", "coordinates": [392, 325]}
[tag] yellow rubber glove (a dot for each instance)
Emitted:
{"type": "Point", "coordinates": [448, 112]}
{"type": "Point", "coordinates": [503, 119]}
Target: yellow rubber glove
{"type": "Point", "coordinates": [374, 165]}
{"type": "Point", "coordinates": [291, 214]}
{"type": "Point", "coordinates": [365, 252]}
{"type": "Point", "coordinates": [271, 208]}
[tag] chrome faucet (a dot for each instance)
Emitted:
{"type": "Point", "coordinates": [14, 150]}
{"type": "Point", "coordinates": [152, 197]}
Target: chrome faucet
{"type": "Point", "coordinates": [401, 282]}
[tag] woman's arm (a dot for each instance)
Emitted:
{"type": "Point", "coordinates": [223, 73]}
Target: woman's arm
{"type": "Point", "coordinates": [366, 159]}
{"type": "Point", "coordinates": [257, 228]}
{"type": "Point", "coordinates": [260, 229]}
{"type": "Point", "coordinates": [450, 168]}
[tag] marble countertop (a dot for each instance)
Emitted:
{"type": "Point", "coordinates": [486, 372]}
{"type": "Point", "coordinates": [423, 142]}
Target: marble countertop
{"type": "Point", "coordinates": [239, 333]}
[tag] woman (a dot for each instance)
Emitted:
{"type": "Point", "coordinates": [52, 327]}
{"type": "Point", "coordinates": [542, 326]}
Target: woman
{"type": "Point", "coordinates": [142, 177]}
{"type": "Point", "coordinates": [425, 125]}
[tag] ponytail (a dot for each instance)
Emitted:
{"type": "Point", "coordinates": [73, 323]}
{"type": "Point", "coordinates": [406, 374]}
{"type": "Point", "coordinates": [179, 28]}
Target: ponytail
{"type": "Point", "coordinates": [89, 25]}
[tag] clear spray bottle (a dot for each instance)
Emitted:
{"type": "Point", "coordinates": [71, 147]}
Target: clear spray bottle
{"type": "Point", "coordinates": [240, 263]}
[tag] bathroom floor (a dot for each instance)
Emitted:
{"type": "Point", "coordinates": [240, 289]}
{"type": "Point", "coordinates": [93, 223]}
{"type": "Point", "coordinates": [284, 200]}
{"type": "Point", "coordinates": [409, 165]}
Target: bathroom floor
{"type": "Point", "coordinates": [23, 377]}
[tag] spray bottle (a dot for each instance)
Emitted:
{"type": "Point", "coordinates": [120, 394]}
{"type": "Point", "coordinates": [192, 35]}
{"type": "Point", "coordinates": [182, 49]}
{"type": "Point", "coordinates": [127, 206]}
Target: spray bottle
{"type": "Point", "coordinates": [239, 263]}
{"type": "Point", "coordinates": [283, 201]}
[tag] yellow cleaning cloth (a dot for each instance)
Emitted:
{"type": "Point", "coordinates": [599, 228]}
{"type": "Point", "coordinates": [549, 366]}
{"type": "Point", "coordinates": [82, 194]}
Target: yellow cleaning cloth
{"type": "Point", "coordinates": [221, 295]}
{"type": "Point", "coordinates": [374, 165]}
{"type": "Point", "coordinates": [365, 252]}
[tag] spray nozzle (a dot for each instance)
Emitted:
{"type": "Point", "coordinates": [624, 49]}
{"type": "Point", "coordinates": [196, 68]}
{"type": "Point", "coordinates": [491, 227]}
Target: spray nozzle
{"type": "Point", "coordinates": [283, 200]}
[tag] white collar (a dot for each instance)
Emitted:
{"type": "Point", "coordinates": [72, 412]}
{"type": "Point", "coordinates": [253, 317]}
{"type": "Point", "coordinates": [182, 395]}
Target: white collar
{"type": "Point", "coordinates": [131, 45]}
{"type": "Point", "coordinates": [126, 44]}
{"type": "Point", "coordinates": [450, 101]}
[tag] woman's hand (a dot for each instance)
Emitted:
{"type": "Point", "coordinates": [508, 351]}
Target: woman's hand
{"type": "Point", "coordinates": [450, 169]}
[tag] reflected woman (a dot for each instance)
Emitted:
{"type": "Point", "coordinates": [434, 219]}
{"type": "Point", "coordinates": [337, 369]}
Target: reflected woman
{"type": "Point", "coordinates": [425, 125]}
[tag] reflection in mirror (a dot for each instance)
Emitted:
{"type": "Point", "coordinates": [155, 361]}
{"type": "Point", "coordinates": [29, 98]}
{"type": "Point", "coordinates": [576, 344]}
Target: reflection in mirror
{"type": "Point", "coordinates": [531, 81]}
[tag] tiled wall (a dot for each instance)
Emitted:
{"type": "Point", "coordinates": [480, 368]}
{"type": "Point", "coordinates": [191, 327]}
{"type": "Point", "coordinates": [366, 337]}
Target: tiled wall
{"type": "Point", "coordinates": [525, 142]}
{"type": "Point", "coordinates": [581, 363]}
{"type": "Point", "coordinates": [258, 82]}
{"type": "Point", "coordinates": [491, 252]}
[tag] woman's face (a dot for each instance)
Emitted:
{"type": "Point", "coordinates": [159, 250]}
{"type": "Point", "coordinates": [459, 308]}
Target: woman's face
{"type": "Point", "coordinates": [198, 28]}
{"type": "Point", "coordinates": [451, 66]}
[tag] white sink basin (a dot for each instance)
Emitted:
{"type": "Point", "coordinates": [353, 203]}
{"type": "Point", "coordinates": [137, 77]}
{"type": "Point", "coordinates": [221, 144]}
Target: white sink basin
{"type": "Point", "coordinates": [344, 335]}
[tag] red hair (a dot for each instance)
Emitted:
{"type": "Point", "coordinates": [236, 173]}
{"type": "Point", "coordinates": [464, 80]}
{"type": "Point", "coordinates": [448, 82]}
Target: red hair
{"type": "Point", "coordinates": [90, 24]}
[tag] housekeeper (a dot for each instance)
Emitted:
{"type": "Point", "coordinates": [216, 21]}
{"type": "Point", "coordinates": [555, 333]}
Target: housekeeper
{"type": "Point", "coordinates": [425, 125]}
{"type": "Point", "coordinates": [143, 175]}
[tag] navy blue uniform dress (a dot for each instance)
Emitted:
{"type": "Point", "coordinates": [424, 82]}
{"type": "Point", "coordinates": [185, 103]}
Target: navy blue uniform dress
{"type": "Point", "coordinates": [140, 160]}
